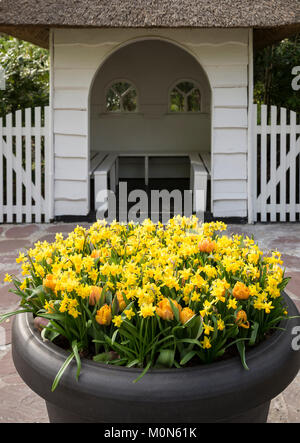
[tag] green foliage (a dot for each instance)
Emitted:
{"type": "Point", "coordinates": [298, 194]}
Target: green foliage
{"type": "Point", "coordinates": [27, 75]}
{"type": "Point", "coordinates": [273, 74]}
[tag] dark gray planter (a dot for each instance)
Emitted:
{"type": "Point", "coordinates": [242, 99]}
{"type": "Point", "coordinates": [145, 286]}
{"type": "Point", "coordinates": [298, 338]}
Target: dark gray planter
{"type": "Point", "coordinates": [220, 392]}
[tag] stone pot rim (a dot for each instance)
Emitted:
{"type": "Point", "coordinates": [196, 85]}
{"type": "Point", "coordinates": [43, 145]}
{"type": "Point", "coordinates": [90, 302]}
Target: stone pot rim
{"type": "Point", "coordinates": [224, 387]}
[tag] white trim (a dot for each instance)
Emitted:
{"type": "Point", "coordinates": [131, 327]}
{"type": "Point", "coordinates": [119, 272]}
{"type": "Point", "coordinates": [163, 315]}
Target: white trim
{"type": "Point", "coordinates": [212, 150]}
{"type": "Point", "coordinates": [110, 43]}
{"type": "Point", "coordinates": [51, 129]}
{"type": "Point", "coordinates": [251, 160]}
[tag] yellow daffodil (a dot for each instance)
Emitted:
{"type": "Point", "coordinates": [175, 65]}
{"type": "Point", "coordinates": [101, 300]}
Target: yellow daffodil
{"type": "Point", "coordinates": [117, 320]}
{"type": "Point", "coordinates": [7, 278]}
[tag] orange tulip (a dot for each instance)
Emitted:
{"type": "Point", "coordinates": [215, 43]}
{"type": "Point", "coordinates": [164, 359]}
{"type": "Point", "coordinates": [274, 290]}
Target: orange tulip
{"type": "Point", "coordinates": [121, 301]}
{"type": "Point", "coordinates": [164, 309]}
{"type": "Point", "coordinates": [96, 253]}
{"type": "Point", "coordinates": [103, 316]}
{"type": "Point", "coordinates": [207, 246]}
{"type": "Point", "coordinates": [186, 314]}
{"type": "Point", "coordinates": [49, 282]}
{"type": "Point", "coordinates": [241, 319]}
{"type": "Point", "coordinates": [95, 295]}
{"type": "Point", "coordinates": [240, 291]}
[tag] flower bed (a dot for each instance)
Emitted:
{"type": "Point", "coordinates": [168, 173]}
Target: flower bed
{"type": "Point", "coordinates": [150, 295]}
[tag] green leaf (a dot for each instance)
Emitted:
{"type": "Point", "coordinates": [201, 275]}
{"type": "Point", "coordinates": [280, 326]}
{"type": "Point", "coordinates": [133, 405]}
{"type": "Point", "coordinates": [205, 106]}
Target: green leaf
{"type": "Point", "coordinates": [165, 358]}
{"type": "Point", "coordinates": [10, 314]}
{"type": "Point", "coordinates": [198, 327]}
{"type": "Point", "coordinates": [143, 373]}
{"type": "Point", "coordinates": [187, 357]}
{"type": "Point", "coordinates": [132, 363]}
{"type": "Point", "coordinates": [54, 316]}
{"type": "Point", "coordinates": [115, 306]}
{"type": "Point", "coordinates": [108, 297]}
{"type": "Point", "coordinates": [189, 340]}
{"type": "Point", "coordinates": [102, 298]}
{"type": "Point", "coordinates": [174, 309]}
{"type": "Point", "coordinates": [77, 358]}
{"type": "Point", "coordinates": [241, 348]}
{"type": "Point", "coordinates": [103, 357]}
{"type": "Point", "coordinates": [114, 336]}
{"type": "Point", "coordinates": [58, 328]}
{"type": "Point", "coordinates": [253, 336]}
{"type": "Point", "coordinates": [180, 330]}
{"type": "Point", "coordinates": [191, 322]}
{"type": "Point", "coordinates": [215, 333]}
{"type": "Point", "coordinates": [61, 371]}
{"type": "Point", "coordinates": [49, 334]}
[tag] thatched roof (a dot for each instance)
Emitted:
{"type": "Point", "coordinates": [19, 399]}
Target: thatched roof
{"type": "Point", "coordinates": [272, 20]}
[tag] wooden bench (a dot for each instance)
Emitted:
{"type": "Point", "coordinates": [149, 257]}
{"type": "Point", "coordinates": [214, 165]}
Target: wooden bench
{"type": "Point", "coordinates": [198, 182]}
{"type": "Point", "coordinates": [105, 170]}
{"type": "Point", "coordinates": [206, 158]}
{"type": "Point", "coordinates": [104, 167]}
{"type": "Point", "coordinates": [96, 159]}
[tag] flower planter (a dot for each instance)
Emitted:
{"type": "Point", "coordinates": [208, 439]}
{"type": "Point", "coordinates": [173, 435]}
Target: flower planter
{"type": "Point", "coordinates": [219, 392]}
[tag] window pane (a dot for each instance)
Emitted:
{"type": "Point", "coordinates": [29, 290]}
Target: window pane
{"type": "Point", "coordinates": [194, 101]}
{"type": "Point", "coordinates": [185, 87]}
{"type": "Point", "coordinates": [121, 87]}
{"type": "Point", "coordinates": [177, 101]}
{"type": "Point", "coordinates": [112, 101]}
{"type": "Point", "coordinates": [121, 97]}
{"type": "Point", "coordinates": [129, 101]}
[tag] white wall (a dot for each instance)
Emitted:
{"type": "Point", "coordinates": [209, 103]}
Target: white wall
{"type": "Point", "coordinates": [222, 53]}
{"type": "Point", "coordinates": [154, 67]}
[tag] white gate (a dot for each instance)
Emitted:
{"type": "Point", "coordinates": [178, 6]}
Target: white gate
{"type": "Point", "coordinates": [24, 167]}
{"type": "Point", "coordinates": [276, 178]}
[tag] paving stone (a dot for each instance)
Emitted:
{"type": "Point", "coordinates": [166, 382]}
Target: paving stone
{"type": "Point", "coordinates": [291, 262]}
{"type": "Point", "coordinates": [5, 337]}
{"type": "Point", "coordinates": [8, 300]}
{"type": "Point", "coordinates": [11, 270]}
{"type": "Point", "coordinates": [291, 397]}
{"type": "Point", "coordinates": [278, 412]}
{"type": "Point", "coordinates": [21, 231]}
{"type": "Point", "coordinates": [7, 259]}
{"type": "Point", "coordinates": [48, 238]}
{"type": "Point", "coordinates": [286, 240]}
{"type": "Point", "coordinates": [294, 283]}
{"type": "Point", "coordinates": [12, 245]}
{"type": "Point", "coordinates": [18, 404]}
{"type": "Point", "coordinates": [64, 228]}
{"type": "Point", "coordinates": [297, 303]}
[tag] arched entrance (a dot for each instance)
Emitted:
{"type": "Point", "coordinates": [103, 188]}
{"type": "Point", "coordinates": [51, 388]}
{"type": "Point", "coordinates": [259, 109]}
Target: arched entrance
{"type": "Point", "coordinates": [150, 107]}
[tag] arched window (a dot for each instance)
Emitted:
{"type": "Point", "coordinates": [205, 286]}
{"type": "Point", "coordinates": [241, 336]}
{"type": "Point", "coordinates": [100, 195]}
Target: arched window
{"type": "Point", "coordinates": [121, 97]}
{"type": "Point", "coordinates": [185, 97]}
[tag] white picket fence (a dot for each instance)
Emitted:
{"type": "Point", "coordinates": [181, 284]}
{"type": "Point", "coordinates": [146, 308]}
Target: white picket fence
{"type": "Point", "coordinates": [276, 152]}
{"type": "Point", "coordinates": [24, 167]}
